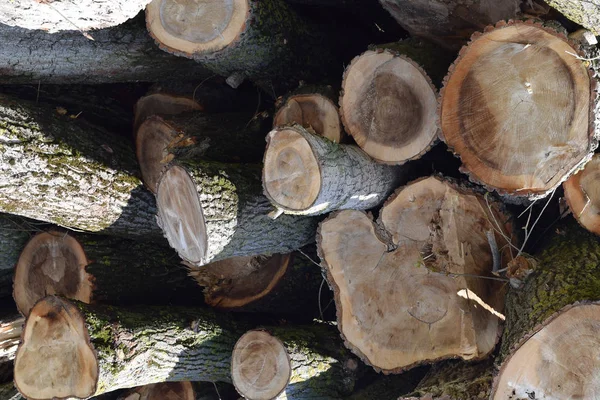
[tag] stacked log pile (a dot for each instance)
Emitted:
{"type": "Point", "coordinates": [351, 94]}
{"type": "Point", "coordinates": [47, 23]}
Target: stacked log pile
{"type": "Point", "coordinates": [250, 211]}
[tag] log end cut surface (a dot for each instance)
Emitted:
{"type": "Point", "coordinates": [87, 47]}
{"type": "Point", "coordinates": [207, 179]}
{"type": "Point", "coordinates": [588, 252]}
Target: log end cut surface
{"type": "Point", "coordinates": [398, 286]}
{"type": "Point", "coordinates": [389, 106]}
{"type": "Point", "coordinates": [51, 263]}
{"type": "Point", "coordinates": [163, 391]}
{"type": "Point", "coordinates": [196, 26]}
{"type": "Point", "coordinates": [260, 366]}
{"type": "Point", "coordinates": [291, 173]}
{"type": "Point", "coordinates": [560, 361]}
{"type": "Point", "coordinates": [582, 192]}
{"type": "Point", "coordinates": [181, 216]}
{"type": "Point", "coordinates": [162, 104]}
{"type": "Point", "coordinates": [55, 358]}
{"type": "Point", "coordinates": [516, 108]}
{"type": "Point", "coordinates": [312, 111]}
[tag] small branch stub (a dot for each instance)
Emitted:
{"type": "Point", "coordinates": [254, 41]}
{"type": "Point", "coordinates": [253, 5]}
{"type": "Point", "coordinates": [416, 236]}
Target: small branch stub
{"type": "Point", "coordinates": [260, 366]}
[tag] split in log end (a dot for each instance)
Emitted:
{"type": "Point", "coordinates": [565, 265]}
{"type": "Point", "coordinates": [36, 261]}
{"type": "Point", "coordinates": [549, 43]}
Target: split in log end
{"type": "Point", "coordinates": [51, 263]}
{"type": "Point", "coordinates": [55, 358]}
{"type": "Point", "coordinates": [260, 366]}
{"type": "Point", "coordinates": [582, 192]}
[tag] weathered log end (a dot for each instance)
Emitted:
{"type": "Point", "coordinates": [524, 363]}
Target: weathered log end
{"type": "Point", "coordinates": [179, 28]}
{"type": "Point", "coordinates": [55, 358]}
{"type": "Point", "coordinates": [235, 282]}
{"type": "Point", "coordinates": [260, 366]}
{"type": "Point", "coordinates": [161, 104]}
{"type": "Point", "coordinates": [313, 111]}
{"type": "Point", "coordinates": [162, 391]}
{"type": "Point", "coordinates": [51, 263]}
{"type": "Point", "coordinates": [582, 193]}
{"type": "Point", "coordinates": [517, 108]}
{"type": "Point", "coordinates": [416, 286]}
{"type": "Point", "coordinates": [389, 105]}
{"type": "Point", "coordinates": [180, 215]}
{"type": "Point", "coordinates": [558, 360]}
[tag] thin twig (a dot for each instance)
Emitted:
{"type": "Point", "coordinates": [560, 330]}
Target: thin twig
{"type": "Point", "coordinates": [200, 84]}
{"type": "Point", "coordinates": [495, 253]}
{"type": "Point", "coordinates": [84, 33]}
{"type": "Point", "coordinates": [535, 223]}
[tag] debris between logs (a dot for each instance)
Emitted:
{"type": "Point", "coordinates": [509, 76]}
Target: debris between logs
{"type": "Point", "coordinates": [389, 106]}
{"type": "Point", "coordinates": [306, 174]}
{"type": "Point", "coordinates": [550, 344]}
{"type": "Point", "coordinates": [211, 211]}
{"type": "Point", "coordinates": [583, 195]}
{"type": "Point", "coordinates": [258, 40]}
{"type": "Point", "coordinates": [313, 107]}
{"type": "Point", "coordinates": [92, 268]}
{"type": "Point", "coordinates": [73, 349]}
{"type": "Point", "coordinates": [10, 332]}
{"type": "Point", "coordinates": [417, 286]}
{"type": "Point", "coordinates": [525, 136]}
{"type": "Point", "coordinates": [260, 366]}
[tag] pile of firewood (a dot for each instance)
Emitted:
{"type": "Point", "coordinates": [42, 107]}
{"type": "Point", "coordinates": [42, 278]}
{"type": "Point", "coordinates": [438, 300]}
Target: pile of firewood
{"type": "Point", "coordinates": [244, 199]}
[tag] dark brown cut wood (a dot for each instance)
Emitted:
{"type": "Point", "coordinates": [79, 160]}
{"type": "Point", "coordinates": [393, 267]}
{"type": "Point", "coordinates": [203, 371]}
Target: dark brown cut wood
{"type": "Point", "coordinates": [162, 391]}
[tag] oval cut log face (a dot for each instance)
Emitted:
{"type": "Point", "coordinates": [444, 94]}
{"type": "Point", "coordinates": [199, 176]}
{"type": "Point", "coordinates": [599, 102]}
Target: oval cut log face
{"type": "Point", "coordinates": [582, 192]}
{"type": "Point", "coordinates": [516, 109]}
{"type": "Point", "coordinates": [389, 106]}
{"type": "Point", "coordinates": [398, 302]}
{"type": "Point", "coordinates": [560, 361]}
{"type": "Point", "coordinates": [197, 26]}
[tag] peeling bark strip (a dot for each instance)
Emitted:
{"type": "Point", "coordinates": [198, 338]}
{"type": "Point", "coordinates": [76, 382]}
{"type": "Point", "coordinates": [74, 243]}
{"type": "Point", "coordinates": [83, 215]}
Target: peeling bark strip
{"type": "Point", "coordinates": [62, 170]}
{"type": "Point", "coordinates": [124, 53]}
{"type": "Point", "coordinates": [306, 174]}
{"type": "Point", "coordinates": [548, 315]}
{"type": "Point", "coordinates": [538, 129]}
{"type": "Point", "coordinates": [388, 104]}
{"type": "Point", "coordinates": [583, 12]}
{"type": "Point", "coordinates": [14, 233]}
{"type": "Point", "coordinates": [449, 22]}
{"type": "Point", "coordinates": [396, 282]}
{"type": "Point", "coordinates": [583, 196]}
{"type": "Point", "coordinates": [102, 269]}
{"type": "Point", "coordinates": [210, 211]}
{"type": "Point", "coordinates": [264, 41]}
{"type": "Point", "coordinates": [79, 350]}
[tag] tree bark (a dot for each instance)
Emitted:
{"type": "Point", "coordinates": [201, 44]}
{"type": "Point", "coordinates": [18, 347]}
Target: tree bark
{"type": "Point", "coordinates": [447, 22]}
{"type": "Point", "coordinates": [123, 53]}
{"type": "Point", "coordinates": [583, 12]}
{"type": "Point", "coordinates": [219, 211]}
{"type": "Point", "coordinates": [147, 345]}
{"type": "Point", "coordinates": [334, 176]}
{"type": "Point", "coordinates": [70, 173]}
{"type": "Point", "coordinates": [269, 44]}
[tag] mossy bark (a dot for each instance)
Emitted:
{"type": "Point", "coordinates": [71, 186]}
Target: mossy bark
{"type": "Point", "coordinates": [14, 234]}
{"type": "Point", "coordinates": [123, 53]}
{"type": "Point", "coordinates": [567, 271]}
{"type": "Point", "coordinates": [70, 173]}
{"type": "Point", "coordinates": [583, 12]}
{"type": "Point", "coordinates": [147, 345]}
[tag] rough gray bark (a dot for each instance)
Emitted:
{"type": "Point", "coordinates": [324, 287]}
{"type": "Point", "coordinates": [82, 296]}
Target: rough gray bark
{"type": "Point", "coordinates": [14, 234]}
{"type": "Point", "coordinates": [584, 12]}
{"type": "Point", "coordinates": [449, 23]}
{"type": "Point", "coordinates": [147, 345]}
{"type": "Point", "coordinates": [80, 15]}
{"type": "Point", "coordinates": [67, 172]}
{"type": "Point", "coordinates": [123, 53]}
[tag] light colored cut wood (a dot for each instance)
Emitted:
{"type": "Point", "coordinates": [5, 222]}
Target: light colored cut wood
{"type": "Point", "coordinates": [55, 358]}
{"type": "Point", "coordinates": [161, 104]}
{"type": "Point", "coordinates": [313, 111]}
{"type": "Point", "coordinates": [51, 263]}
{"type": "Point", "coordinates": [582, 192]}
{"type": "Point", "coordinates": [389, 106]}
{"type": "Point", "coordinates": [162, 391]}
{"type": "Point", "coordinates": [559, 361]}
{"type": "Point", "coordinates": [196, 26]}
{"type": "Point", "coordinates": [396, 283]}
{"type": "Point", "coordinates": [260, 366]}
{"type": "Point", "coordinates": [516, 107]}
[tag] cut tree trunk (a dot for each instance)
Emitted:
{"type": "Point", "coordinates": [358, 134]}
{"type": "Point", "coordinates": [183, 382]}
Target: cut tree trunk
{"type": "Point", "coordinates": [550, 348]}
{"type": "Point", "coordinates": [417, 286]}
{"type": "Point", "coordinates": [583, 12]}
{"type": "Point", "coordinates": [313, 107]}
{"type": "Point", "coordinates": [62, 170]}
{"type": "Point", "coordinates": [102, 269]}
{"type": "Point", "coordinates": [583, 195]}
{"type": "Point", "coordinates": [264, 41]}
{"type": "Point", "coordinates": [525, 136]}
{"type": "Point", "coordinates": [10, 333]}
{"type": "Point", "coordinates": [448, 22]}
{"type": "Point", "coordinates": [211, 211]}
{"type": "Point", "coordinates": [73, 349]}
{"type": "Point", "coordinates": [14, 233]}
{"type": "Point", "coordinates": [307, 174]}
{"type": "Point", "coordinates": [80, 16]}
{"type": "Point", "coordinates": [223, 137]}
{"type": "Point", "coordinates": [162, 391]}
{"type": "Point", "coordinates": [389, 106]}
{"type": "Point", "coordinates": [123, 53]}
